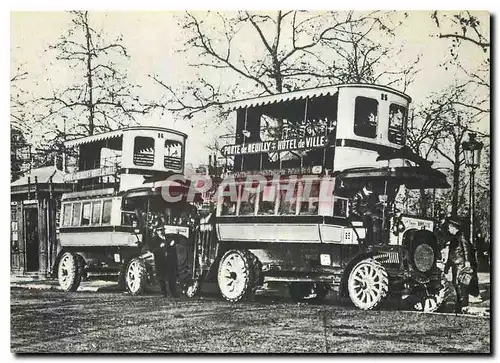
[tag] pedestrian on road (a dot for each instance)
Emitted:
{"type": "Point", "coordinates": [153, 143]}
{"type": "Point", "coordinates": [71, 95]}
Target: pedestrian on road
{"type": "Point", "coordinates": [460, 257]}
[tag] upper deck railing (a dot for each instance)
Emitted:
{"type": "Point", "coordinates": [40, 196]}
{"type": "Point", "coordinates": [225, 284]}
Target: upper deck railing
{"type": "Point", "coordinates": [330, 128]}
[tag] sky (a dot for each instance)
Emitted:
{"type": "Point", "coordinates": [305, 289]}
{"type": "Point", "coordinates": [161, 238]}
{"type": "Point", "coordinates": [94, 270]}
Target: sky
{"type": "Point", "coordinates": [153, 39]}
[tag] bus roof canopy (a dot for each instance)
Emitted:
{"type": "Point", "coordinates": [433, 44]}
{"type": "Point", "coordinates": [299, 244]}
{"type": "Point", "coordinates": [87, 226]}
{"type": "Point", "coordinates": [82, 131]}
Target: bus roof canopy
{"type": "Point", "coordinates": [302, 94]}
{"type": "Point", "coordinates": [413, 177]}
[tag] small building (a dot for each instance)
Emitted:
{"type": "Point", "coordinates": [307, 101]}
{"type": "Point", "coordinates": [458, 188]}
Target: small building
{"type": "Point", "coordinates": [35, 206]}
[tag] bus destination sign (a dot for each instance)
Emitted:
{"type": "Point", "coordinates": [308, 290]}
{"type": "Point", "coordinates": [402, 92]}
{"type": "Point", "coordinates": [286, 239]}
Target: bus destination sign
{"type": "Point", "coordinates": [275, 146]}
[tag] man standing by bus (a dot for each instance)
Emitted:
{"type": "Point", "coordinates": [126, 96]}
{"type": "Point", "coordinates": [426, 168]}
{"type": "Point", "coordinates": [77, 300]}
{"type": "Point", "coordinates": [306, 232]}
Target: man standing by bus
{"type": "Point", "coordinates": [460, 261]}
{"type": "Point", "coordinates": [164, 252]}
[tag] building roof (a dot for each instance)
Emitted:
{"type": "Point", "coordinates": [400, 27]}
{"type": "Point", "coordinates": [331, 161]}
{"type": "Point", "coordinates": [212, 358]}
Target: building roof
{"type": "Point", "coordinates": [43, 175]}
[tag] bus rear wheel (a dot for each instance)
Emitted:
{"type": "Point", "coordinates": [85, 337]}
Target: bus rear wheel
{"type": "Point", "coordinates": [136, 276]}
{"type": "Point", "coordinates": [368, 284]}
{"type": "Point", "coordinates": [235, 275]}
{"type": "Point", "coordinates": [69, 272]}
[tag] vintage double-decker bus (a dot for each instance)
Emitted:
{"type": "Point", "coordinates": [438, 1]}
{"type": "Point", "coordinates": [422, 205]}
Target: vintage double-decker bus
{"type": "Point", "coordinates": [331, 142]}
{"type": "Point", "coordinates": [118, 202]}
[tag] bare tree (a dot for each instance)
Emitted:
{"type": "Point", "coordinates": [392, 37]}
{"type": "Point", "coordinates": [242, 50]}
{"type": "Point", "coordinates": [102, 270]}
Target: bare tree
{"type": "Point", "coordinates": [438, 130]}
{"type": "Point", "coordinates": [440, 126]}
{"type": "Point", "coordinates": [272, 53]}
{"type": "Point", "coordinates": [466, 28]}
{"type": "Point", "coordinates": [18, 101]}
{"type": "Point", "coordinates": [468, 35]}
{"type": "Point", "coordinates": [101, 98]}
{"type": "Point", "coordinates": [20, 148]}
{"type": "Point", "coordinates": [424, 132]}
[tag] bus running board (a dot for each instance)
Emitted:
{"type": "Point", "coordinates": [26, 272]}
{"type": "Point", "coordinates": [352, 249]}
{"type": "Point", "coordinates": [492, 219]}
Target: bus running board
{"type": "Point", "coordinates": [333, 279]}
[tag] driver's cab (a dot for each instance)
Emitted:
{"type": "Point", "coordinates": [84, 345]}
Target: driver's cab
{"type": "Point", "coordinates": [161, 223]}
{"type": "Point", "coordinates": [147, 210]}
{"type": "Point", "coordinates": [385, 185]}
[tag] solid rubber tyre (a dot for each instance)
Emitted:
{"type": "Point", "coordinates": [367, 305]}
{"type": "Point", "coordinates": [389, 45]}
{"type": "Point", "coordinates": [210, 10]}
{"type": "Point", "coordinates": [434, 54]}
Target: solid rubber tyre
{"type": "Point", "coordinates": [368, 284]}
{"type": "Point", "coordinates": [136, 276]}
{"type": "Point", "coordinates": [235, 275]}
{"type": "Point", "coordinates": [69, 272]}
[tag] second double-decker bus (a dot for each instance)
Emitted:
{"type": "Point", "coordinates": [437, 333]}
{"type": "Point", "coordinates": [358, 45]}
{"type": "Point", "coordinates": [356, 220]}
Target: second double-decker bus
{"type": "Point", "coordinates": [289, 211]}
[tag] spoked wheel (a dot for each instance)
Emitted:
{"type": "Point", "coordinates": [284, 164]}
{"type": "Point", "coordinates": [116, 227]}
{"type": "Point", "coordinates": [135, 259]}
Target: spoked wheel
{"type": "Point", "coordinates": [136, 276]}
{"type": "Point", "coordinates": [69, 272]}
{"type": "Point", "coordinates": [235, 275]}
{"type": "Point", "coordinates": [368, 284]}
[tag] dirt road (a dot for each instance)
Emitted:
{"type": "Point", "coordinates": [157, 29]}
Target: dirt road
{"type": "Point", "coordinates": [52, 321]}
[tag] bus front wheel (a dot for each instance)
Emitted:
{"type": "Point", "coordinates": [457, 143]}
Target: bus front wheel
{"type": "Point", "coordinates": [368, 284]}
{"type": "Point", "coordinates": [136, 276]}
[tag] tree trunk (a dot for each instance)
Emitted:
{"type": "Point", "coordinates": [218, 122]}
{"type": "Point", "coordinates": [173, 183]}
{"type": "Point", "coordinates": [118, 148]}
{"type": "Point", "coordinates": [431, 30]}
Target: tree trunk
{"type": "Point", "coordinates": [424, 203]}
{"type": "Point", "coordinates": [90, 101]}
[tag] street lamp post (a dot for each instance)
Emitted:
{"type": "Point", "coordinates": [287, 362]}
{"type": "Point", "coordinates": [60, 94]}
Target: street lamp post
{"type": "Point", "coordinates": [472, 149]}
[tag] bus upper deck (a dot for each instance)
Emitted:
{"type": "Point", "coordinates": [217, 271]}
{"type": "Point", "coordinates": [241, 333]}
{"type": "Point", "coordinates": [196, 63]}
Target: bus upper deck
{"type": "Point", "coordinates": [123, 159]}
{"type": "Point", "coordinates": [328, 128]}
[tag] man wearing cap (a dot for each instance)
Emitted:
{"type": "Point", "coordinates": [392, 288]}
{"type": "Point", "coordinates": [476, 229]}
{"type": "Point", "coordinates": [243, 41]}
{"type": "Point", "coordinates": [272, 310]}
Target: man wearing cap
{"type": "Point", "coordinates": [366, 205]}
{"type": "Point", "coordinates": [163, 250]}
{"type": "Point", "coordinates": [459, 262]}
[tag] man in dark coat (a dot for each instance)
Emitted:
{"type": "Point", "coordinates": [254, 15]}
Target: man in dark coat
{"type": "Point", "coordinates": [460, 260]}
{"type": "Point", "coordinates": [367, 206]}
{"type": "Point", "coordinates": [171, 266]}
{"type": "Point", "coordinates": [482, 252]}
{"type": "Point", "coordinates": [165, 256]}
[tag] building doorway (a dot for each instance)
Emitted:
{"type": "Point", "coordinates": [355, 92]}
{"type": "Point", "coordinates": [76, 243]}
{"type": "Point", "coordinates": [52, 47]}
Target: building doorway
{"type": "Point", "coordinates": [32, 243]}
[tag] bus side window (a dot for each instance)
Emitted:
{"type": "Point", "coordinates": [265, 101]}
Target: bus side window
{"type": "Point", "coordinates": [340, 207]}
{"type": "Point", "coordinates": [287, 202]}
{"type": "Point", "coordinates": [96, 212]}
{"type": "Point", "coordinates": [173, 154]}
{"type": "Point", "coordinates": [128, 218]}
{"type": "Point", "coordinates": [86, 214]}
{"type": "Point", "coordinates": [144, 151]}
{"type": "Point", "coordinates": [397, 124]}
{"type": "Point", "coordinates": [309, 191]}
{"type": "Point", "coordinates": [227, 201]}
{"type": "Point", "coordinates": [106, 212]}
{"type": "Point", "coordinates": [77, 208]}
{"type": "Point", "coordinates": [66, 215]}
{"type": "Point", "coordinates": [267, 199]}
{"type": "Point", "coordinates": [366, 117]}
{"type": "Point", "coordinates": [248, 199]}
{"type": "Point", "coordinates": [228, 207]}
